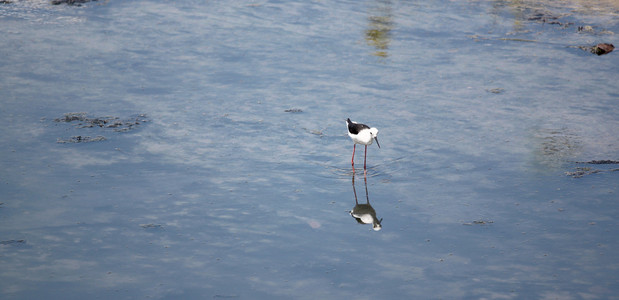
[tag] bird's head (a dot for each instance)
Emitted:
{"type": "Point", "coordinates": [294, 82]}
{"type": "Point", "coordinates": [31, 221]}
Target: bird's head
{"type": "Point", "coordinates": [374, 134]}
{"type": "Point", "coordinates": [377, 226]}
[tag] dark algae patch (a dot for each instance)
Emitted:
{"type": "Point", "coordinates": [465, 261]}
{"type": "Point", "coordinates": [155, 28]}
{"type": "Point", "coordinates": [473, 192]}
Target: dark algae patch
{"type": "Point", "coordinates": [601, 162]}
{"type": "Point", "coordinates": [151, 226]}
{"type": "Point", "coordinates": [81, 139]}
{"type": "Point", "coordinates": [82, 120]}
{"type": "Point", "coordinates": [583, 171]}
{"type": "Point", "coordinates": [478, 222]}
{"type": "Point", "coordinates": [70, 2]}
{"type": "Point", "coordinates": [13, 242]}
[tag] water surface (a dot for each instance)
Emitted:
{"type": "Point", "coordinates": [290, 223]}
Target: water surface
{"type": "Point", "coordinates": [228, 174]}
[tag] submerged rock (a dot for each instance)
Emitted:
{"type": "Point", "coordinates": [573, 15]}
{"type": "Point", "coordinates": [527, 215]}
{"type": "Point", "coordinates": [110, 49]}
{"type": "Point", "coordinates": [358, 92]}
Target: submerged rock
{"type": "Point", "coordinates": [603, 48]}
{"type": "Point", "coordinates": [599, 49]}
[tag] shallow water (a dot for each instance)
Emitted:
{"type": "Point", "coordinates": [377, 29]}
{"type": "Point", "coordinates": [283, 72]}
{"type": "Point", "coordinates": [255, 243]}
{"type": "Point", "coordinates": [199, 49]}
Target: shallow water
{"type": "Point", "coordinates": [229, 173]}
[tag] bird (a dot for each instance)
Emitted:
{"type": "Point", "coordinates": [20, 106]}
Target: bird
{"type": "Point", "coordinates": [363, 135]}
{"type": "Point", "coordinates": [365, 213]}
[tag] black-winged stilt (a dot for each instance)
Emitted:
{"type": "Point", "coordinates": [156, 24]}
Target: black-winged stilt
{"type": "Point", "coordinates": [363, 135]}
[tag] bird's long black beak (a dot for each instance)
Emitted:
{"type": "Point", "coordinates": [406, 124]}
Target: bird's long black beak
{"type": "Point", "coordinates": [376, 139]}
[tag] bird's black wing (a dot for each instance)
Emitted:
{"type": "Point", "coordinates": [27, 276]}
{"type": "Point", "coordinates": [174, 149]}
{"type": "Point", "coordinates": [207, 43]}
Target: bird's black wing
{"type": "Point", "coordinates": [354, 128]}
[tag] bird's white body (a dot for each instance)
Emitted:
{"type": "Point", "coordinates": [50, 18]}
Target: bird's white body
{"type": "Point", "coordinates": [365, 136]}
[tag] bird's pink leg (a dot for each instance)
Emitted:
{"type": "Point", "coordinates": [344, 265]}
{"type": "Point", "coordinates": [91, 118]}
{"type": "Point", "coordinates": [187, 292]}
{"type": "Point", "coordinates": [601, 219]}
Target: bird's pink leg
{"type": "Point", "coordinates": [365, 155]}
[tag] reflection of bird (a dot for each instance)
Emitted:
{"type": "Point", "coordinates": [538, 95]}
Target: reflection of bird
{"type": "Point", "coordinates": [361, 134]}
{"type": "Point", "coordinates": [365, 213]}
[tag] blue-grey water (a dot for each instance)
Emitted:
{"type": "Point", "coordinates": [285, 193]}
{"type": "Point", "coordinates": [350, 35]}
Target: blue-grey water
{"type": "Point", "coordinates": [198, 150]}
